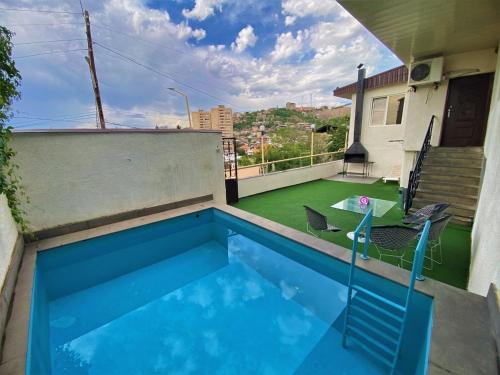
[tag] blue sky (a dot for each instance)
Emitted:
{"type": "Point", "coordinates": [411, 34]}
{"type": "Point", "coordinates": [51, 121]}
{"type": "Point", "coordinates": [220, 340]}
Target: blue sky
{"type": "Point", "coordinates": [247, 54]}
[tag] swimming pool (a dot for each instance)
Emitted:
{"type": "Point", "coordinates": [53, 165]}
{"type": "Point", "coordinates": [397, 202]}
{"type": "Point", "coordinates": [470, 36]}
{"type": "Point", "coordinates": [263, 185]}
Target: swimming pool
{"type": "Point", "coordinates": [203, 293]}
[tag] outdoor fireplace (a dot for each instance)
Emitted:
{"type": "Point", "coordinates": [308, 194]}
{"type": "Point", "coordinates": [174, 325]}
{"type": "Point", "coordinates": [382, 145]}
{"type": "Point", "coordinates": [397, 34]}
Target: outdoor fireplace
{"type": "Point", "coordinates": [357, 153]}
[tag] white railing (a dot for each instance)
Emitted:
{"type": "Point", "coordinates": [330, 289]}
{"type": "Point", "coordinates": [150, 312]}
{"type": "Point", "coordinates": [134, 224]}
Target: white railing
{"type": "Point", "coordinates": [259, 169]}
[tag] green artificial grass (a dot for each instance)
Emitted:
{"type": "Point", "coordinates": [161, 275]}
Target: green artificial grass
{"type": "Point", "coordinates": [285, 206]}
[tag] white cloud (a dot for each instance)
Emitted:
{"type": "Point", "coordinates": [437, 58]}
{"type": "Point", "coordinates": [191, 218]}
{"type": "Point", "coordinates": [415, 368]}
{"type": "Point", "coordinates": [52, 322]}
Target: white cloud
{"type": "Point", "coordinates": [246, 38]}
{"type": "Point", "coordinates": [199, 34]}
{"type": "Point", "coordinates": [303, 8]}
{"type": "Point", "coordinates": [290, 20]}
{"type": "Point", "coordinates": [287, 45]}
{"type": "Point", "coordinates": [184, 31]}
{"type": "Point", "coordinates": [203, 9]}
{"type": "Point", "coordinates": [328, 53]}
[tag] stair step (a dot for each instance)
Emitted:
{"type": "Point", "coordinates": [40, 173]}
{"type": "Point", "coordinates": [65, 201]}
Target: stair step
{"type": "Point", "coordinates": [379, 309]}
{"type": "Point", "coordinates": [370, 339]}
{"type": "Point", "coordinates": [363, 324]}
{"type": "Point", "coordinates": [368, 315]}
{"type": "Point", "coordinates": [474, 151]}
{"type": "Point", "coordinates": [379, 298]}
{"type": "Point", "coordinates": [458, 210]}
{"type": "Point", "coordinates": [446, 179]}
{"type": "Point", "coordinates": [373, 353]}
{"type": "Point", "coordinates": [451, 198]}
{"type": "Point", "coordinates": [453, 171]}
{"type": "Point", "coordinates": [456, 219]}
{"type": "Point", "coordinates": [458, 162]}
{"type": "Point", "coordinates": [445, 188]}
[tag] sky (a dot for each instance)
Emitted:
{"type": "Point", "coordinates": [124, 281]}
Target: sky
{"type": "Point", "coordinates": [244, 54]}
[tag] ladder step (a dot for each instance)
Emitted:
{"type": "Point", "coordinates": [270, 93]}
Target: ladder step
{"type": "Point", "coordinates": [378, 308]}
{"type": "Point", "coordinates": [379, 298]}
{"type": "Point", "coordinates": [372, 352]}
{"type": "Point", "coordinates": [376, 332]}
{"type": "Point", "coordinates": [377, 320]}
{"type": "Point", "coordinates": [371, 340]}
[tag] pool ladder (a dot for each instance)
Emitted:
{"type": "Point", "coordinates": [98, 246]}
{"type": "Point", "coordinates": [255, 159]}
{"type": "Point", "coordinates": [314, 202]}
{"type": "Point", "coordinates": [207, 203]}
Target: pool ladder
{"type": "Point", "coordinates": [374, 322]}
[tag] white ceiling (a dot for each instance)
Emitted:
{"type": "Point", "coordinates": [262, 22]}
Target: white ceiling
{"type": "Point", "coordinates": [415, 29]}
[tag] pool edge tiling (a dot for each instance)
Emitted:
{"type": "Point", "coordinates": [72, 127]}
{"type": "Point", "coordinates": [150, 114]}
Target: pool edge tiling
{"type": "Point", "coordinates": [471, 349]}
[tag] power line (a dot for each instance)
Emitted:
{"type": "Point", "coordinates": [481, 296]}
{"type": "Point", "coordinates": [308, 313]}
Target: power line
{"type": "Point", "coordinates": [49, 53]}
{"type": "Point", "coordinates": [36, 10]}
{"type": "Point", "coordinates": [47, 118]}
{"type": "Point", "coordinates": [165, 75]}
{"type": "Point", "coordinates": [43, 24]}
{"type": "Point", "coordinates": [136, 38]}
{"type": "Point", "coordinates": [48, 41]}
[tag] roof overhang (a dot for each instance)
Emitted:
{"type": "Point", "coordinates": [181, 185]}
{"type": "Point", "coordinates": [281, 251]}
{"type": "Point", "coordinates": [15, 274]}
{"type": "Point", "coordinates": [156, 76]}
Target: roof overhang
{"type": "Point", "coordinates": [393, 76]}
{"type": "Point", "coordinates": [416, 29]}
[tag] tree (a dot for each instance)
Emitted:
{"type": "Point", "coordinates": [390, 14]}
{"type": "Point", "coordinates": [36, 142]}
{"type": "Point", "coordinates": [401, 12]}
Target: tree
{"type": "Point", "coordinates": [10, 78]}
{"type": "Point", "coordinates": [337, 132]}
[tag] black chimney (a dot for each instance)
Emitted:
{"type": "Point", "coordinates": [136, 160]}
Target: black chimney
{"type": "Point", "coordinates": [356, 153]}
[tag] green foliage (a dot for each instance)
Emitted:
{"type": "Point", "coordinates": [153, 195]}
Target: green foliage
{"type": "Point", "coordinates": [10, 183]}
{"type": "Point", "coordinates": [337, 133]}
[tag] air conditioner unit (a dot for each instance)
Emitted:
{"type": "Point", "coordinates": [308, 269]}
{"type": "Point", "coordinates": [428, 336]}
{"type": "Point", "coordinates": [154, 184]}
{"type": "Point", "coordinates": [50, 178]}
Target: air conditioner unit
{"type": "Point", "coordinates": [426, 72]}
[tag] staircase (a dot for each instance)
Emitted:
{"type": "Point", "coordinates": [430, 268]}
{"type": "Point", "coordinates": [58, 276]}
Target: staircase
{"type": "Point", "coordinates": [451, 175]}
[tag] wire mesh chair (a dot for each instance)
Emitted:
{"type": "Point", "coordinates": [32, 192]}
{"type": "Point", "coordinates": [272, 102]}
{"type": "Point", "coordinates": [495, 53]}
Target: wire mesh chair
{"type": "Point", "coordinates": [438, 225]}
{"type": "Point", "coordinates": [392, 240]}
{"type": "Point", "coordinates": [430, 211]}
{"type": "Point", "coordinates": [317, 221]}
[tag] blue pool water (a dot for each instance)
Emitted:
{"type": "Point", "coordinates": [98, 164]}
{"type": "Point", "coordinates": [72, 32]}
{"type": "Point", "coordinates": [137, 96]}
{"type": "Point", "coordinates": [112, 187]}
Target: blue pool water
{"type": "Point", "coordinates": [204, 293]}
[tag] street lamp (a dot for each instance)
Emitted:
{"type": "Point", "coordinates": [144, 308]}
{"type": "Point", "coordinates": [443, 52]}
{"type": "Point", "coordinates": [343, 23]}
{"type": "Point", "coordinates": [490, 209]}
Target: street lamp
{"type": "Point", "coordinates": [187, 103]}
{"type": "Point", "coordinates": [262, 129]}
{"type": "Point", "coordinates": [313, 126]}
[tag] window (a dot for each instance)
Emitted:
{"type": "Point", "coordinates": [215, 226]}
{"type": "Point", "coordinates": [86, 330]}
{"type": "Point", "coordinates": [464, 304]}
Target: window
{"type": "Point", "coordinates": [387, 110]}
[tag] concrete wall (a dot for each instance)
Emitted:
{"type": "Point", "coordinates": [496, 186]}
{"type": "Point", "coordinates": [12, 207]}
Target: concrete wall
{"type": "Point", "coordinates": [10, 257]}
{"type": "Point", "coordinates": [277, 180]}
{"type": "Point", "coordinates": [74, 176]}
{"type": "Point", "coordinates": [485, 262]}
{"type": "Point", "coordinates": [381, 141]}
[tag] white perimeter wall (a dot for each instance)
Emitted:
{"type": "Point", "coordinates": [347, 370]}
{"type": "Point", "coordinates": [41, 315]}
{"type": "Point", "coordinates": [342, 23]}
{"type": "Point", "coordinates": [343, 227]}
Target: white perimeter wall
{"type": "Point", "coordinates": [8, 237]}
{"type": "Point", "coordinates": [76, 176]}
{"type": "Point", "coordinates": [485, 263]}
{"type": "Point", "coordinates": [259, 184]}
{"type": "Point", "coordinates": [9, 260]}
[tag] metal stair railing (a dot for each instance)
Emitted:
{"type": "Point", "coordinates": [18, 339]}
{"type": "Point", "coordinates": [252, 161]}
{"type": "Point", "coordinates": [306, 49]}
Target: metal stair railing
{"type": "Point", "coordinates": [374, 322]}
{"type": "Point", "coordinates": [414, 178]}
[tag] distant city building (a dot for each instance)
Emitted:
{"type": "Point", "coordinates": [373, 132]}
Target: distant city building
{"type": "Point", "coordinates": [201, 119]}
{"type": "Point", "coordinates": [222, 118]}
{"type": "Point", "coordinates": [291, 106]}
{"type": "Point", "coordinates": [219, 118]}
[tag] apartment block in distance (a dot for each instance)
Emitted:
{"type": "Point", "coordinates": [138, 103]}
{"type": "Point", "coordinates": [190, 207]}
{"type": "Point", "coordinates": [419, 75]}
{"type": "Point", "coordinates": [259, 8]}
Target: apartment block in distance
{"type": "Point", "coordinates": [219, 118]}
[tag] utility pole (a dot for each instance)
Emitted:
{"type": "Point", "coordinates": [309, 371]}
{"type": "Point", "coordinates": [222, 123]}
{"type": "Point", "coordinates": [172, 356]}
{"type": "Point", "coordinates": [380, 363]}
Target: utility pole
{"type": "Point", "coordinates": [93, 74]}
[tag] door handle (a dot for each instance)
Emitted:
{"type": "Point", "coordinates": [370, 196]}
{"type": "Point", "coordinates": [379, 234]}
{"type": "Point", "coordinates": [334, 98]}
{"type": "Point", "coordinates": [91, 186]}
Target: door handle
{"type": "Point", "coordinates": [449, 110]}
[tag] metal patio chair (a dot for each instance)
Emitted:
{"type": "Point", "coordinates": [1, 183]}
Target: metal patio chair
{"type": "Point", "coordinates": [430, 211]}
{"type": "Point", "coordinates": [392, 240]}
{"type": "Point", "coordinates": [317, 221]}
{"type": "Point", "coordinates": [438, 225]}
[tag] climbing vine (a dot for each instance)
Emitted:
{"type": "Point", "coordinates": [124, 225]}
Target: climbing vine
{"type": "Point", "coordinates": [10, 182]}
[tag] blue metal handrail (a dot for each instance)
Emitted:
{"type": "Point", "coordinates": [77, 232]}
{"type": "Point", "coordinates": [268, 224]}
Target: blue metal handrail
{"type": "Point", "coordinates": [416, 274]}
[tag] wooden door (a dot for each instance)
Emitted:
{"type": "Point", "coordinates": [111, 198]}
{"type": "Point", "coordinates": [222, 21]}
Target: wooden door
{"type": "Point", "coordinates": [466, 111]}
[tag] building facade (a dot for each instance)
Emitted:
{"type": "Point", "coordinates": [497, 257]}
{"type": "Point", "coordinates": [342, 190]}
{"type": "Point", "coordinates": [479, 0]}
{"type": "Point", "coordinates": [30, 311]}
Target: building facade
{"type": "Point", "coordinates": [218, 118]}
{"type": "Point", "coordinates": [222, 119]}
{"type": "Point", "coordinates": [201, 120]}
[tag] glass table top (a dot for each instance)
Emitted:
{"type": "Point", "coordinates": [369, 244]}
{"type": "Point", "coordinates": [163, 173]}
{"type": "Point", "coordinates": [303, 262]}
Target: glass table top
{"type": "Point", "coordinates": [380, 206]}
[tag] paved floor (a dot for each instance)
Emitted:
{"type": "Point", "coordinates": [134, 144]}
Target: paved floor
{"type": "Point", "coordinates": [355, 179]}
